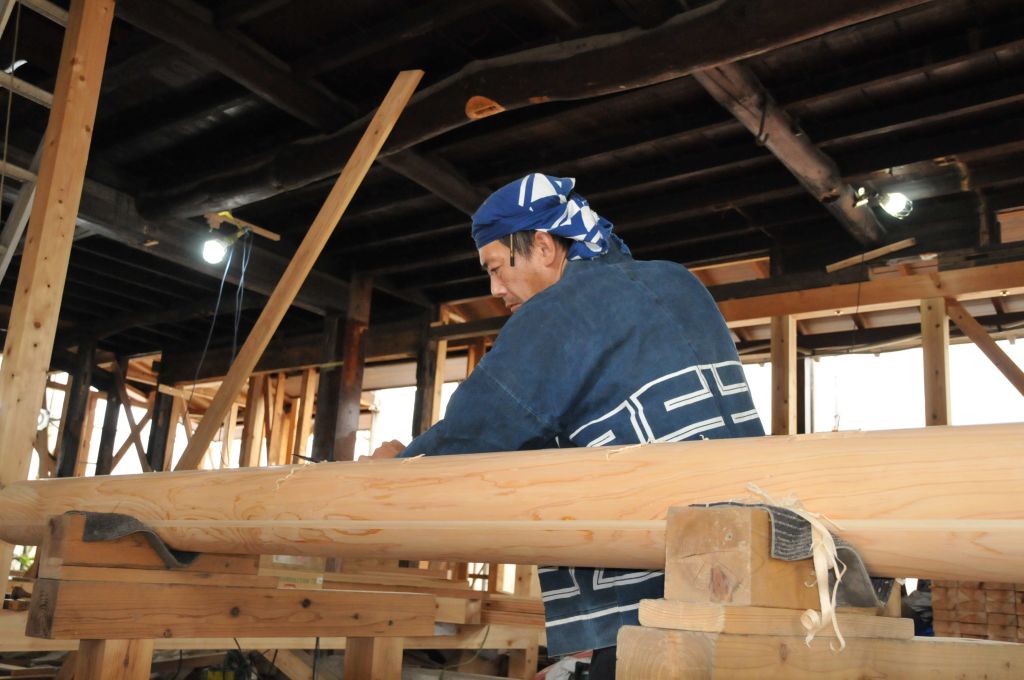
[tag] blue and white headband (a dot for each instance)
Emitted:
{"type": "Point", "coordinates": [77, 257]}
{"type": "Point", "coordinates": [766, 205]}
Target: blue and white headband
{"type": "Point", "coordinates": [541, 202]}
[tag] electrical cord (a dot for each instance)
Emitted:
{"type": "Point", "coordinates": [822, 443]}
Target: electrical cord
{"type": "Point", "coordinates": [209, 334]}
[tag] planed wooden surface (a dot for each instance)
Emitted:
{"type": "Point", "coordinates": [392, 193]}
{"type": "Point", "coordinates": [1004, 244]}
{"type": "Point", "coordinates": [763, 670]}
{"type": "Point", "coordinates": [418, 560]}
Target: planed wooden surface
{"type": "Point", "coordinates": [935, 352]}
{"type": "Point", "coordinates": [659, 654]}
{"type": "Point", "coordinates": [114, 659]}
{"type": "Point", "coordinates": [783, 354]}
{"type": "Point", "coordinates": [720, 618]}
{"type": "Point", "coordinates": [116, 610]}
{"type": "Point", "coordinates": [302, 262]}
{"type": "Point", "coordinates": [963, 520]}
{"type": "Point", "coordinates": [32, 322]}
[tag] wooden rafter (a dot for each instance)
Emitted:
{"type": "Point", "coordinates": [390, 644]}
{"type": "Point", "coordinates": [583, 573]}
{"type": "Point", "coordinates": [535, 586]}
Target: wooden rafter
{"type": "Point", "coordinates": [977, 333]}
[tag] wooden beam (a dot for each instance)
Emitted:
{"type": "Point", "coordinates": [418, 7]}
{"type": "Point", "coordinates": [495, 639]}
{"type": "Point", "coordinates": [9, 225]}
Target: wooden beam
{"type": "Point", "coordinates": [931, 525]}
{"type": "Point", "coordinates": [305, 419]}
{"type": "Point", "coordinates": [300, 266]}
{"type": "Point", "coordinates": [438, 177]}
{"type": "Point", "coordinates": [869, 296]}
{"type": "Point", "coordinates": [228, 436]}
{"type": "Point", "coordinates": [935, 352]}
{"type": "Point", "coordinates": [9, 81]}
{"type": "Point", "coordinates": [727, 31]}
{"type": "Point", "coordinates": [17, 218]}
{"type": "Point", "coordinates": [33, 319]}
{"type": "Point", "coordinates": [430, 360]}
{"type": "Point", "coordinates": [134, 430]}
{"type": "Point", "coordinates": [974, 330]}
{"type": "Point", "coordinates": [47, 9]}
{"type": "Point", "coordinates": [871, 254]}
{"type": "Point", "coordinates": [252, 423]}
{"type": "Point", "coordinates": [783, 356]}
{"type": "Point", "coordinates": [160, 427]}
{"type": "Point", "coordinates": [736, 88]}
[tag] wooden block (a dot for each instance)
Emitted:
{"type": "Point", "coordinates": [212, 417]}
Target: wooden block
{"type": "Point", "coordinates": [992, 596]}
{"type": "Point", "coordinates": [373, 658]}
{"type": "Point", "coordinates": [1002, 620]}
{"type": "Point", "coordinates": [658, 654]}
{"type": "Point", "coordinates": [972, 617]}
{"type": "Point", "coordinates": [114, 659]}
{"type": "Point", "coordinates": [722, 555]}
{"type": "Point", "coordinates": [75, 573]}
{"type": "Point", "coordinates": [522, 663]}
{"type": "Point", "coordinates": [457, 610]}
{"type": "Point", "coordinates": [995, 585]}
{"type": "Point", "coordinates": [83, 609]}
{"type": "Point", "coordinates": [947, 615]}
{"type": "Point", "coordinates": [1001, 608]}
{"type": "Point", "coordinates": [969, 595]}
{"type": "Point", "coordinates": [63, 545]}
{"type": "Point", "coordinates": [980, 629]}
{"type": "Point", "coordinates": [941, 598]}
{"type": "Point", "coordinates": [946, 628]}
{"type": "Point", "coordinates": [717, 618]}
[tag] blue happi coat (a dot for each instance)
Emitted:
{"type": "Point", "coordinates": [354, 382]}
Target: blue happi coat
{"type": "Point", "coordinates": [619, 351]}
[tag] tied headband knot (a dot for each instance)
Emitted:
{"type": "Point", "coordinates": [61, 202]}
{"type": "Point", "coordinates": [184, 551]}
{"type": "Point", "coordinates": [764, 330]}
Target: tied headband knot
{"type": "Point", "coordinates": [541, 202]}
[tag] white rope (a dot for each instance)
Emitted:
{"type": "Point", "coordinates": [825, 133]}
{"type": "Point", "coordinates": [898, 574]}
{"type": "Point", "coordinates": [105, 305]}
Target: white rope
{"type": "Point", "coordinates": [823, 552]}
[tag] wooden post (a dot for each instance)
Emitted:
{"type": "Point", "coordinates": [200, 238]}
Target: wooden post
{"type": "Point", "coordinates": [326, 396]}
{"type": "Point", "coordinates": [305, 416]}
{"type": "Point", "coordinates": [159, 426]}
{"type": "Point", "coordinates": [783, 357]}
{"type": "Point", "coordinates": [252, 423]}
{"type": "Point", "coordinates": [935, 351]}
{"type": "Point", "coordinates": [111, 414]}
{"type": "Point", "coordinates": [350, 391]}
{"type": "Point", "coordinates": [430, 361]}
{"type": "Point", "coordinates": [75, 410]}
{"type": "Point", "coordinates": [377, 658]}
{"type": "Point", "coordinates": [44, 263]}
{"type": "Point", "coordinates": [85, 442]}
{"type": "Point", "coordinates": [302, 262]}
{"type": "Point", "coordinates": [275, 415]}
{"type": "Point", "coordinates": [114, 659]}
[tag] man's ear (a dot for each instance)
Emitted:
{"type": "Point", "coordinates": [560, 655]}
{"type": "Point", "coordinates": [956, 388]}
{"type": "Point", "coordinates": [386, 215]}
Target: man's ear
{"type": "Point", "coordinates": [545, 245]}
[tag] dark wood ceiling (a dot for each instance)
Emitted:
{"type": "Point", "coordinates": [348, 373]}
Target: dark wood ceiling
{"type": "Point", "coordinates": [252, 105]}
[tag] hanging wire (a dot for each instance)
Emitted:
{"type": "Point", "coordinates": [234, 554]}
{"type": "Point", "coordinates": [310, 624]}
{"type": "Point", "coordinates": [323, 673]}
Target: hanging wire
{"type": "Point", "coordinates": [240, 292]}
{"type": "Point", "coordinates": [10, 99]}
{"type": "Point", "coordinates": [209, 334]}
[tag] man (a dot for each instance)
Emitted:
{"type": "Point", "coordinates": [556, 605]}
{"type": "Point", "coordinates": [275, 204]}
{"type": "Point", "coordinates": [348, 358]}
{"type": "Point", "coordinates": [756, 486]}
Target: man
{"type": "Point", "coordinates": [600, 350]}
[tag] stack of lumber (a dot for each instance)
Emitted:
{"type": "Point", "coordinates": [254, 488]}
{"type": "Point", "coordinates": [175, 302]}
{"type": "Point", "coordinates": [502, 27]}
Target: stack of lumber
{"type": "Point", "coordinates": [987, 610]}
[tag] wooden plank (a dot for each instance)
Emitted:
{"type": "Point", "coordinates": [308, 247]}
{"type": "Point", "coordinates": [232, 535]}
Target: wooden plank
{"type": "Point", "coordinates": [277, 426]}
{"type": "Point", "coordinates": [718, 618]}
{"type": "Point", "coordinates": [114, 659]}
{"type": "Point", "coordinates": [105, 454]}
{"type": "Point", "coordinates": [783, 356]}
{"type": "Point", "coordinates": [722, 555]}
{"type": "Point", "coordinates": [659, 654]}
{"type": "Point", "coordinates": [302, 262]}
{"type": "Point", "coordinates": [871, 254]}
{"type": "Point", "coordinates": [9, 81]}
{"type": "Point", "coordinates": [33, 319]}
{"type": "Point", "coordinates": [97, 609]}
{"type": "Point", "coordinates": [227, 436]}
{"type": "Point", "coordinates": [310, 378]}
{"type": "Point", "coordinates": [252, 423]}
{"type": "Point", "coordinates": [373, 658]}
{"type": "Point", "coordinates": [977, 333]}
{"type": "Point", "coordinates": [963, 519]}
{"type": "Point", "coordinates": [935, 350]}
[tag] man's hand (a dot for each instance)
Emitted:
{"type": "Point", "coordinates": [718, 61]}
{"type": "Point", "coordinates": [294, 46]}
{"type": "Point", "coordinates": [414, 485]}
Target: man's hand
{"type": "Point", "coordinates": [387, 450]}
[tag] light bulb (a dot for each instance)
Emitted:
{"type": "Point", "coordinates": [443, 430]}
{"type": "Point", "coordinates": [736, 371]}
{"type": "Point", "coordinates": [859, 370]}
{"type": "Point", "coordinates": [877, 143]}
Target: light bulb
{"type": "Point", "coordinates": [214, 250]}
{"type": "Point", "coordinates": [896, 204]}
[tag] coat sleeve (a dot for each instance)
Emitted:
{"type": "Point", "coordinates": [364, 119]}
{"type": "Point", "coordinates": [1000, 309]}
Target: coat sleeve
{"type": "Point", "coordinates": [484, 415]}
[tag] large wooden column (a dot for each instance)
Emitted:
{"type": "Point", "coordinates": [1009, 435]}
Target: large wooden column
{"type": "Point", "coordinates": [350, 389]}
{"type": "Point", "coordinates": [935, 350]}
{"type": "Point", "coordinates": [75, 410]}
{"type": "Point", "coordinates": [326, 399]}
{"type": "Point", "coordinates": [783, 356]}
{"type": "Point", "coordinates": [111, 414]}
{"type": "Point", "coordinates": [159, 431]}
{"type": "Point", "coordinates": [51, 228]}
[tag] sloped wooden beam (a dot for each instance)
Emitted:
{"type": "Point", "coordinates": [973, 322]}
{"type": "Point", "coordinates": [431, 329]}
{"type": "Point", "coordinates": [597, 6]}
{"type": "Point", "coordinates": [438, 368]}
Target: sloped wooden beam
{"type": "Point", "coordinates": [964, 519]}
{"type": "Point", "coordinates": [977, 333]}
{"type": "Point", "coordinates": [33, 320]}
{"type": "Point", "coordinates": [17, 218]}
{"type": "Point", "coordinates": [723, 32]}
{"type": "Point", "coordinates": [736, 88]}
{"type": "Point", "coordinates": [302, 263]}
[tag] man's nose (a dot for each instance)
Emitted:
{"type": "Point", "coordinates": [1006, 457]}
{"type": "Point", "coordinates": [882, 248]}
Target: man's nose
{"type": "Point", "coordinates": [497, 287]}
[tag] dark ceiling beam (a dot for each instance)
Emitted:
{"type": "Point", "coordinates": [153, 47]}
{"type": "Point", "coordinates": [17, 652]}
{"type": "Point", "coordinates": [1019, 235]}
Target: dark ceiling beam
{"type": "Point", "coordinates": [736, 88]}
{"type": "Point", "coordinates": [438, 177]}
{"type": "Point", "coordinates": [648, 13]}
{"type": "Point", "coordinates": [423, 19]}
{"type": "Point", "coordinates": [723, 32]}
{"type": "Point", "coordinates": [251, 66]}
{"type": "Point", "coordinates": [235, 59]}
{"type": "Point", "coordinates": [237, 12]}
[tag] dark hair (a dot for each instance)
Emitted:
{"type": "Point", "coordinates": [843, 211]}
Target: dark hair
{"type": "Point", "coordinates": [521, 243]}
